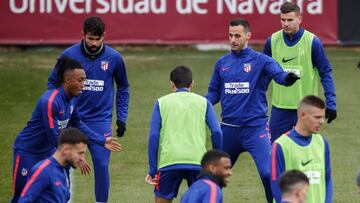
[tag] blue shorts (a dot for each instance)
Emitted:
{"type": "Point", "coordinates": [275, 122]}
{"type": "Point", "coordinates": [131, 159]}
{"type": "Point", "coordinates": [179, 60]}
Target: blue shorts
{"type": "Point", "coordinates": [168, 182]}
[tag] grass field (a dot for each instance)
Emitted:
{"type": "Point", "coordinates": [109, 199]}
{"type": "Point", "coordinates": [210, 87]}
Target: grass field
{"type": "Point", "coordinates": [23, 78]}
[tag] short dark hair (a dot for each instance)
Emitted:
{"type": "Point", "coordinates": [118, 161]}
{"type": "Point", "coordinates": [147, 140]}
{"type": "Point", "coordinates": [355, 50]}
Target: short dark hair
{"type": "Point", "coordinates": [94, 25]}
{"type": "Point", "coordinates": [290, 178]}
{"type": "Point", "coordinates": [181, 76]}
{"type": "Point", "coordinates": [213, 157]}
{"type": "Point", "coordinates": [312, 100]}
{"type": "Point", "coordinates": [72, 136]}
{"type": "Point", "coordinates": [242, 22]}
{"type": "Point", "coordinates": [65, 64]}
{"type": "Point", "coordinates": [288, 7]}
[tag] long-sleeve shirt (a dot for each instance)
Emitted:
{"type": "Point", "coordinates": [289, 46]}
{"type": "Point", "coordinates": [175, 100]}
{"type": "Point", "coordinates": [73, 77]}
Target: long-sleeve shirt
{"type": "Point", "coordinates": [154, 136]}
{"type": "Point", "coordinates": [278, 165]}
{"type": "Point", "coordinates": [240, 81]}
{"type": "Point", "coordinates": [204, 190]}
{"type": "Point", "coordinates": [319, 60]}
{"type": "Point", "coordinates": [47, 182]}
{"type": "Point", "coordinates": [97, 100]}
{"type": "Point", "coordinates": [54, 111]}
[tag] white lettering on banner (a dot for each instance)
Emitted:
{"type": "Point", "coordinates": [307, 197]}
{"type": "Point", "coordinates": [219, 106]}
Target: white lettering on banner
{"type": "Point", "coordinates": [94, 85]}
{"type": "Point", "coordinates": [237, 87]}
{"type": "Point", "coordinates": [189, 6]}
{"type": "Point", "coordinates": [84, 6]}
{"type": "Point", "coordinates": [312, 7]}
{"type": "Point", "coordinates": [261, 6]}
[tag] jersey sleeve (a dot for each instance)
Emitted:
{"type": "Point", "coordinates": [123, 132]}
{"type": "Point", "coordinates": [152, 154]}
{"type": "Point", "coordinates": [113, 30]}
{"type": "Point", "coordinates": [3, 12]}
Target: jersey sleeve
{"type": "Point", "coordinates": [213, 94]}
{"type": "Point", "coordinates": [277, 167]}
{"type": "Point", "coordinates": [275, 72]}
{"type": "Point", "coordinates": [213, 124]}
{"type": "Point", "coordinates": [50, 114]}
{"type": "Point", "coordinates": [321, 62]}
{"type": "Point", "coordinates": [153, 140]}
{"type": "Point", "coordinates": [122, 91]}
{"type": "Point", "coordinates": [328, 179]}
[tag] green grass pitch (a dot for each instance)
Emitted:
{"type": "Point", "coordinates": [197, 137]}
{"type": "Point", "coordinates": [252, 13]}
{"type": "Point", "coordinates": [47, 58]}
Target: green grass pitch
{"type": "Point", "coordinates": [23, 78]}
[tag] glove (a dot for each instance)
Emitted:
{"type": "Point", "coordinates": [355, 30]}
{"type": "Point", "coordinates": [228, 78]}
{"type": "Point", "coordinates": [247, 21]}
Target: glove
{"type": "Point", "coordinates": [291, 78]}
{"type": "Point", "coordinates": [121, 128]}
{"type": "Point", "coordinates": [330, 115]}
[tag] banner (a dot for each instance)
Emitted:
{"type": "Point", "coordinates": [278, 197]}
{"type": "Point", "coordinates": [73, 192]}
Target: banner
{"type": "Point", "coordinates": [155, 21]}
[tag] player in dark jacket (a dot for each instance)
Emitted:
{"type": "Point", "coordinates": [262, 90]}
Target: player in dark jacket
{"type": "Point", "coordinates": [55, 110]}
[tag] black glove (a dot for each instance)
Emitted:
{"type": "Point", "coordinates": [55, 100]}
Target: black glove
{"type": "Point", "coordinates": [121, 128]}
{"type": "Point", "coordinates": [291, 78]}
{"type": "Point", "coordinates": [330, 115]}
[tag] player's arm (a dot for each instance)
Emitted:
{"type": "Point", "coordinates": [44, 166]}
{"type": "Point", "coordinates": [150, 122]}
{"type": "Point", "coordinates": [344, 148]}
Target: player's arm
{"type": "Point", "coordinates": [267, 47]}
{"type": "Point", "coordinates": [37, 182]}
{"type": "Point", "coordinates": [328, 179]}
{"type": "Point", "coordinates": [320, 61]}
{"type": "Point", "coordinates": [213, 124]}
{"type": "Point", "coordinates": [277, 167]}
{"type": "Point", "coordinates": [213, 94]}
{"type": "Point", "coordinates": [122, 92]}
{"type": "Point", "coordinates": [275, 72]}
{"type": "Point", "coordinates": [50, 114]}
{"type": "Point", "coordinates": [153, 140]}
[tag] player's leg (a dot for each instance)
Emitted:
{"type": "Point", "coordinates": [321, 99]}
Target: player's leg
{"type": "Point", "coordinates": [281, 121]}
{"type": "Point", "coordinates": [167, 185]}
{"type": "Point", "coordinates": [231, 142]}
{"type": "Point", "coordinates": [258, 145]}
{"type": "Point", "coordinates": [22, 164]}
{"type": "Point", "coordinates": [100, 157]}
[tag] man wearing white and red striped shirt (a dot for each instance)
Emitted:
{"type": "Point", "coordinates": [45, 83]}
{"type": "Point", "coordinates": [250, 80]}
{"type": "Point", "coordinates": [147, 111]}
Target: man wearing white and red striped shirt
{"type": "Point", "coordinates": [215, 173]}
{"type": "Point", "coordinates": [48, 180]}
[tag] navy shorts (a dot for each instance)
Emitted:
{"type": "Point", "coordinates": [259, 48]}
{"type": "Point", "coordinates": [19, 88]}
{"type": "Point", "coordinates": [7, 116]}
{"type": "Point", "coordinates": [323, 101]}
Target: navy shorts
{"type": "Point", "coordinates": [168, 182]}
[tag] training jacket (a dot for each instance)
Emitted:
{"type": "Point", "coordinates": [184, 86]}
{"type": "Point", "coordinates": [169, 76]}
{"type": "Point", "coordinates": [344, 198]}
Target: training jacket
{"type": "Point", "coordinates": [204, 190]}
{"type": "Point", "coordinates": [54, 111]}
{"type": "Point", "coordinates": [240, 81]}
{"type": "Point", "coordinates": [97, 100]}
{"type": "Point", "coordinates": [47, 182]}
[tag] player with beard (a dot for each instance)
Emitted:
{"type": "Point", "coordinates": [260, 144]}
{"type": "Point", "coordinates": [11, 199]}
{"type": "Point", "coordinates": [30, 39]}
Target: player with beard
{"type": "Point", "coordinates": [103, 65]}
{"type": "Point", "coordinates": [240, 80]}
{"type": "Point", "coordinates": [215, 174]}
{"type": "Point", "coordinates": [48, 180]}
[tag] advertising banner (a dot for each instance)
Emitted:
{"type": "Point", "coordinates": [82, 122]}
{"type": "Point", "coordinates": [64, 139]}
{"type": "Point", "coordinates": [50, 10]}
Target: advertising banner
{"type": "Point", "coordinates": [155, 21]}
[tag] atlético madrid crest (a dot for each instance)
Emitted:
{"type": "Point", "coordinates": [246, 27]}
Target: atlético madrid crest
{"type": "Point", "coordinates": [247, 67]}
{"type": "Point", "coordinates": [104, 65]}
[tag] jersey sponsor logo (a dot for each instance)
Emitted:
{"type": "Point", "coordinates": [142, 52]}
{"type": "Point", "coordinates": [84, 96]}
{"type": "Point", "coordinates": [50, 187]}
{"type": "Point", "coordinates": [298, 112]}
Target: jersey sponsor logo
{"type": "Point", "coordinates": [24, 171]}
{"type": "Point", "coordinates": [262, 136]}
{"type": "Point", "coordinates": [104, 65]}
{"type": "Point", "coordinates": [225, 69]}
{"type": "Point", "coordinates": [57, 183]}
{"type": "Point", "coordinates": [295, 71]}
{"type": "Point", "coordinates": [285, 60]}
{"type": "Point", "coordinates": [237, 87]}
{"type": "Point", "coordinates": [247, 67]}
{"type": "Point", "coordinates": [304, 163]}
{"type": "Point", "coordinates": [313, 176]}
{"type": "Point", "coordinates": [63, 123]}
{"type": "Point", "coordinates": [107, 134]}
{"type": "Point", "coordinates": [94, 85]}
